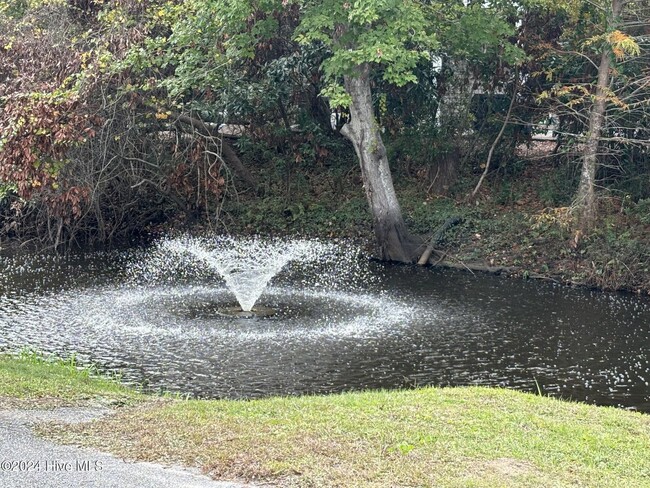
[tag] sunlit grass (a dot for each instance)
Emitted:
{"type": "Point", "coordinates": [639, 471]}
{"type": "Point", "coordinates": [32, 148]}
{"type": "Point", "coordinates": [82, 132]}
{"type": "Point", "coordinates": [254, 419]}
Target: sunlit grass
{"type": "Point", "coordinates": [33, 379]}
{"type": "Point", "coordinates": [450, 437]}
{"type": "Point", "coordinates": [469, 437]}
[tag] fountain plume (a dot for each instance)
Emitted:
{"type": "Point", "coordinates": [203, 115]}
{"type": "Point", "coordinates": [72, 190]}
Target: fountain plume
{"type": "Point", "coordinates": [247, 265]}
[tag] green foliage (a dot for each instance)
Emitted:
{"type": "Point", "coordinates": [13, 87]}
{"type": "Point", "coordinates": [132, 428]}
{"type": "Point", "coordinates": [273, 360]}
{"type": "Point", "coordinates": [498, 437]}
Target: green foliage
{"type": "Point", "coordinates": [424, 216]}
{"type": "Point", "coordinates": [482, 34]}
{"type": "Point", "coordinates": [557, 188]}
{"type": "Point", "coordinates": [6, 190]}
{"type": "Point", "coordinates": [639, 210]}
{"type": "Point", "coordinates": [393, 36]}
{"type": "Point", "coordinates": [617, 255]}
{"type": "Point", "coordinates": [304, 215]}
{"type": "Point", "coordinates": [17, 9]}
{"type": "Point", "coordinates": [508, 193]}
{"type": "Point", "coordinates": [190, 47]}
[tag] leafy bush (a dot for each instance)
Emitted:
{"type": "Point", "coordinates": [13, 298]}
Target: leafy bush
{"type": "Point", "coordinates": [640, 210]}
{"type": "Point", "coordinates": [558, 187]}
{"type": "Point", "coordinates": [6, 190]}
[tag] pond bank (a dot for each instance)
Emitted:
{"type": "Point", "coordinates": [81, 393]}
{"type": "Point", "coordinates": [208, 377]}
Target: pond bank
{"type": "Point", "coordinates": [33, 380]}
{"type": "Point", "coordinates": [425, 437]}
{"type": "Point", "coordinates": [521, 239]}
{"type": "Point", "coordinates": [538, 243]}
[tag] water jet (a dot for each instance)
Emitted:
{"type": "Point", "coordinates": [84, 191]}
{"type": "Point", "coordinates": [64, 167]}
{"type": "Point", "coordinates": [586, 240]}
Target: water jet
{"type": "Point", "coordinates": [325, 320]}
{"type": "Point", "coordinates": [246, 265]}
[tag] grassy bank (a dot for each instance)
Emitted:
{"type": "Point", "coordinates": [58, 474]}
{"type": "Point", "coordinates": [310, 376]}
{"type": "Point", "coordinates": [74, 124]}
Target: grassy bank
{"type": "Point", "coordinates": [449, 437]}
{"type": "Point", "coordinates": [32, 380]}
{"type": "Point", "coordinates": [476, 437]}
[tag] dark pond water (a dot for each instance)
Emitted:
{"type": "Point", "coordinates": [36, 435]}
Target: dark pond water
{"type": "Point", "coordinates": [405, 327]}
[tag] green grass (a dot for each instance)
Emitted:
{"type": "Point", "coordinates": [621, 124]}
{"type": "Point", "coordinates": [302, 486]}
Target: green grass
{"type": "Point", "coordinates": [32, 379]}
{"type": "Point", "coordinates": [451, 437]}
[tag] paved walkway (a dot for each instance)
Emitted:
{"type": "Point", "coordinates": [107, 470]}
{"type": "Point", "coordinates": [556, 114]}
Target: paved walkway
{"type": "Point", "coordinates": [29, 461]}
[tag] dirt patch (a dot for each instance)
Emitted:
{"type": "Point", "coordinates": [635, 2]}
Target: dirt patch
{"type": "Point", "coordinates": [11, 403]}
{"type": "Point", "coordinates": [509, 467]}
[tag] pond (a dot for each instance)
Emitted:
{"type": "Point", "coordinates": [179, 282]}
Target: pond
{"type": "Point", "coordinates": [398, 326]}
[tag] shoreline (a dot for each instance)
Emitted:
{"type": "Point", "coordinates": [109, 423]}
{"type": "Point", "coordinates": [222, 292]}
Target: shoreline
{"type": "Point", "coordinates": [443, 437]}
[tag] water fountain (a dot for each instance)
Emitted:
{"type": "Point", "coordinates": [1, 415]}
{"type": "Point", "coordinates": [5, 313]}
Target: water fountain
{"type": "Point", "coordinates": [247, 317]}
{"type": "Point", "coordinates": [247, 265]}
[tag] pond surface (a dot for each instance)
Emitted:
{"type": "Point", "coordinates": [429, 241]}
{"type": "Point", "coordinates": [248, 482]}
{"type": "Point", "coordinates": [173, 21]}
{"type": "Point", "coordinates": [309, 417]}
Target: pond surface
{"type": "Point", "coordinates": [403, 327]}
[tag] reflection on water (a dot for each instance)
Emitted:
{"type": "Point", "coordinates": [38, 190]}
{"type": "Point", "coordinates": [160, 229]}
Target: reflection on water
{"type": "Point", "coordinates": [412, 327]}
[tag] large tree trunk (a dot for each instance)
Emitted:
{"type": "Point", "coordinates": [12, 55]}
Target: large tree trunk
{"type": "Point", "coordinates": [393, 239]}
{"type": "Point", "coordinates": [585, 201]}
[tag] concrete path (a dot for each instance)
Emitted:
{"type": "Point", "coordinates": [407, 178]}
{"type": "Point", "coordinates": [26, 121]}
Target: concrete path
{"type": "Point", "coordinates": [29, 461]}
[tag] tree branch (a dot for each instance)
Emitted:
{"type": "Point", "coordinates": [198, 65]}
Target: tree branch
{"type": "Point", "coordinates": [498, 137]}
{"type": "Point", "coordinates": [229, 154]}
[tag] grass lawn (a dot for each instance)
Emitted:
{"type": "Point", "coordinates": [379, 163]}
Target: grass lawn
{"type": "Point", "coordinates": [32, 380]}
{"type": "Point", "coordinates": [449, 437]}
{"type": "Point", "coordinates": [461, 437]}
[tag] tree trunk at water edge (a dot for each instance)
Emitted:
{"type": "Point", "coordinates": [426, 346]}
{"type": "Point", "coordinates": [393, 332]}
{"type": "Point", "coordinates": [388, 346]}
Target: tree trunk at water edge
{"type": "Point", "coordinates": [393, 239]}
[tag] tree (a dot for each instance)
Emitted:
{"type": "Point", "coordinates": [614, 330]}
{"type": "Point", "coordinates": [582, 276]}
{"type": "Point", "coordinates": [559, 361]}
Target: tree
{"type": "Point", "coordinates": [214, 49]}
{"type": "Point", "coordinates": [375, 38]}
{"type": "Point", "coordinates": [598, 72]}
{"type": "Point", "coordinates": [585, 198]}
{"type": "Point", "coordinates": [361, 40]}
{"type": "Point", "coordinates": [393, 239]}
{"type": "Point", "coordinates": [478, 53]}
{"type": "Point", "coordinates": [83, 156]}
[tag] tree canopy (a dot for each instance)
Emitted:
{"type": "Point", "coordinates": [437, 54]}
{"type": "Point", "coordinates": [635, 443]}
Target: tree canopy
{"type": "Point", "coordinates": [110, 105]}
